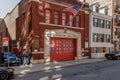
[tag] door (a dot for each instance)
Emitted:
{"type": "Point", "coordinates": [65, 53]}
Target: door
{"type": "Point", "coordinates": [62, 49]}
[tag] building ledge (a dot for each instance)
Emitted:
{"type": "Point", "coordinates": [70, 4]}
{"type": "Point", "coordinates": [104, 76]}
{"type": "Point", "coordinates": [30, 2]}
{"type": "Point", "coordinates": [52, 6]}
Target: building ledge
{"type": "Point", "coordinates": [71, 27]}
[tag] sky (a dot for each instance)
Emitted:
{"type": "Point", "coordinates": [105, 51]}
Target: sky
{"type": "Point", "coordinates": [7, 6]}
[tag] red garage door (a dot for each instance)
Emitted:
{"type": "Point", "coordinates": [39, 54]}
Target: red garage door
{"type": "Point", "coordinates": [62, 49]}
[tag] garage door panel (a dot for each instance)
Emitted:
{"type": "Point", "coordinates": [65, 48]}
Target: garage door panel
{"type": "Point", "coordinates": [62, 57]}
{"type": "Point", "coordinates": [62, 49]}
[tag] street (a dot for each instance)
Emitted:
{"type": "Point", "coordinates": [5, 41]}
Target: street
{"type": "Point", "coordinates": [106, 70]}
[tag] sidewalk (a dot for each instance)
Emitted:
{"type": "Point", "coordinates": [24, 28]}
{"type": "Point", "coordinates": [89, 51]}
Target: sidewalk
{"type": "Point", "coordinates": [50, 66]}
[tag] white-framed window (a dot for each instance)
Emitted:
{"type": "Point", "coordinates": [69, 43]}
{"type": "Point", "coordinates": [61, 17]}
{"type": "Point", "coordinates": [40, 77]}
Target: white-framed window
{"type": "Point", "coordinates": [95, 37]}
{"type": "Point", "coordinates": [95, 50]}
{"type": "Point", "coordinates": [95, 22]}
{"type": "Point", "coordinates": [97, 9]}
{"type": "Point", "coordinates": [108, 38]}
{"type": "Point", "coordinates": [108, 50]}
{"type": "Point", "coordinates": [47, 16]}
{"type": "Point", "coordinates": [56, 17]}
{"type": "Point", "coordinates": [102, 23]}
{"type": "Point", "coordinates": [63, 18]}
{"type": "Point", "coordinates": [101, 37]}
{"type": "Point", "coordinates": [108, 24]}
{"type": "Point", "coordinates": [77, 21]}
{"type": "Point", "coordinates": [70, 19]}
{"type": "Point", "coordinates": [106, 11]}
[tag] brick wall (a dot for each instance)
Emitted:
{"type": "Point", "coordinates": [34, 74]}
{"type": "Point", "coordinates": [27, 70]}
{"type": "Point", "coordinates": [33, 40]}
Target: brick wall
{"type": "Point", "coordinates": [38, 16]}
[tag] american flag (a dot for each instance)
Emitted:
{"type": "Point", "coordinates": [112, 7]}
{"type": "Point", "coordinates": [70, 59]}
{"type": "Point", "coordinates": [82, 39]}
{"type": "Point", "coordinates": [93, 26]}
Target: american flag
{"type": "Point", "coordinates": [74, 9]}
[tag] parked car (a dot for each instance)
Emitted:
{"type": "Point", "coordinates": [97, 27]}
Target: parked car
{"type": "Point", "coordinates": [113, 55]}
{"type": "Point", "coordinates": [6, 73]}
{"type": "Point", "coordinates": [11, 58]}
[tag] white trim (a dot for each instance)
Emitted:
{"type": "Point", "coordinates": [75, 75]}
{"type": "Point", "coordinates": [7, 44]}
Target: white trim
{"type": "Point", "coordinates": [60, 4]}
{"type": "Point", "coordinates": [56, 3]}
{"type": "Point", "coordinates": [60, 33]}
{"type": "Point", "coordinates": [101, 16]}
{"type": "Point", "coordinates": [60, 26]}
{"type": "Point", "coordinates": [98, 55]}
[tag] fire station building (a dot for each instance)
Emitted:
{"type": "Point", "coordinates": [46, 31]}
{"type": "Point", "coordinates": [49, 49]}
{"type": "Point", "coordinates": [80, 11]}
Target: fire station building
{"type": "Point", "coordinates": [52, 38]}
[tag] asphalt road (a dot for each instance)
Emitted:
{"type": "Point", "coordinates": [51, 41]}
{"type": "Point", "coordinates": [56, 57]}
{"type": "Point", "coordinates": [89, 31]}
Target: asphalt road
{"type": "Point", "coordinates": [106, 70]}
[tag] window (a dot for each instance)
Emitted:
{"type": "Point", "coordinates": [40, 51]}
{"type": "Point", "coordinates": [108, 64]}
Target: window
{"type": "Point", "coordinates": [108, 24]}
{"type": "Point", "coordinates": [115, 18]}
{"type": "Point", "coordinates": [101, 37]}
{"type": "Point", "coordinates": [47, 16]}
{"type": "Point", "coordinates": [118, 19]}
{"type": "Point", "coordinates": [95, 22]}
{"type": "Point", "coordinates": [105, 38]}
{"type": "Point", "coordinates": [95, 50]}
{"type": "Point", "coordinates": [56, 17]}
{"type": "Point", "coordinates": [36, 45]}
{"type": "Point", "coordinates": [95, 37]}
{"type": "Point", "coordinates": [63, 19]}
{"type": "Point", "coordinates": [97, 9]}
{"type": "Point", "coordinates": [70, 20]}
{"type": "Point", "coordinates": [77, 21]}
{"type": "Point", "coordinates": [102, 23]}
{"type": "Point", "coordinates": [106, 11]}
{"type": "Point", "coordinates": [118, 33]}
{"type": "Point", "coordinates": [99, 22]}
{"type": "Point", "coordinates": [108, 38]}
{"type": "Point", "coordinates": [115, 31]}
{"type": "Point", "coordinates": [108, 50]}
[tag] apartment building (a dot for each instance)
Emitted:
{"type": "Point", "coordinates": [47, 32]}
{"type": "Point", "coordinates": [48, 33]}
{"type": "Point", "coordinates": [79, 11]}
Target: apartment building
{"type": "Point", "coordinates": [114, 11]}
{"type": "Point", "coordinates": [53, 40]}
{"type": "Point", "coordinates": [100, 29]}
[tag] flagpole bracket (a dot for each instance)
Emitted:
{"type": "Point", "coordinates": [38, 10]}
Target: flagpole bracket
{"type": "Point", "coordinates": [65, 30]}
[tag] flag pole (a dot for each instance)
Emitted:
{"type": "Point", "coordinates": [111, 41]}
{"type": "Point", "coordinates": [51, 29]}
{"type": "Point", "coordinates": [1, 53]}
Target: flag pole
{"type": "Point", "coordinates": [75, 14]}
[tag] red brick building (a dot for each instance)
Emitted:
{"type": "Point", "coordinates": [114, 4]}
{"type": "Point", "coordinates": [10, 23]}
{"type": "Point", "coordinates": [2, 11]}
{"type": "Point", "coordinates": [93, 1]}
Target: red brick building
{"type": "Point", "coordinates": [3, 33]}
{"type": "Point", "coordinates": [42, 25]}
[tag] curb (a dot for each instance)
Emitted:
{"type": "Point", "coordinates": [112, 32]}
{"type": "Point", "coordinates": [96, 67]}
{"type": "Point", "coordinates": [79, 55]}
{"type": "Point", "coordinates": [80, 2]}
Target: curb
{"type": "Point", "coordinates": [53, 68]}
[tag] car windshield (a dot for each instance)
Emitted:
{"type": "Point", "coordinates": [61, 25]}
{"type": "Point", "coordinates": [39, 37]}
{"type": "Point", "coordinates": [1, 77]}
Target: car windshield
{"type": "Point", "coordinates": [10, 54]}
{"type": "Point", "coordinates": [116, 52]}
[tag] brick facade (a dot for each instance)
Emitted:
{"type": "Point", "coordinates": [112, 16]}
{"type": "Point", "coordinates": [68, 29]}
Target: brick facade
{"type": "Point", "coordinates": [32, 17]}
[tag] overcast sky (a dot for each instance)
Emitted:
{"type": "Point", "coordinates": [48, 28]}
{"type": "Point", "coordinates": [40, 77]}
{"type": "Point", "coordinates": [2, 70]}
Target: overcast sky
{"type": "Point", "coordinates": [6, 6]}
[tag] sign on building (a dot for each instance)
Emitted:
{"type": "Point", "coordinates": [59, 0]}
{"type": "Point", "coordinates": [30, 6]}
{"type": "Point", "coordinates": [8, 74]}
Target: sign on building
{"type": "Point", "coordinates": [5, 41]}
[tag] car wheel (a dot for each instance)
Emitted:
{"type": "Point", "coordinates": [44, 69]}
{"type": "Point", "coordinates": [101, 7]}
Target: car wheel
{"type": "Point", "coordinates": [3, 75]}
{"type": "Point", "coordinates": [18, 64]}
{"type": "Point", "coordinates": [110, 58]}
{"type": "Point", "coordinates": [117, 57]}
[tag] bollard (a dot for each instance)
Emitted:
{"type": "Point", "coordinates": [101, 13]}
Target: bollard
{"type": "Point", "coordinates": [76, 58]}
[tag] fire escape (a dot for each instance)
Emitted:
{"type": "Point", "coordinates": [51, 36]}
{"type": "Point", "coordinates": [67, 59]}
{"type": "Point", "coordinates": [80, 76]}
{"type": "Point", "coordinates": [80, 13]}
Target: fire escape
{"type": "Point", "coordinates": [116, 24]}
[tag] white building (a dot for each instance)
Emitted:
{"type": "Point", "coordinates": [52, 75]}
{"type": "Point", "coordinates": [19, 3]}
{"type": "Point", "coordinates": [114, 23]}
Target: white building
{"type": "Point", "coordinates": [99, 31]}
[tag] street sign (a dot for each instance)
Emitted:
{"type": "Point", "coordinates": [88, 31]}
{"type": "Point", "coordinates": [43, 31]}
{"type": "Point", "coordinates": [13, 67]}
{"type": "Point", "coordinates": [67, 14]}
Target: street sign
{"type": "Point", "coordinates": [5, 41]}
